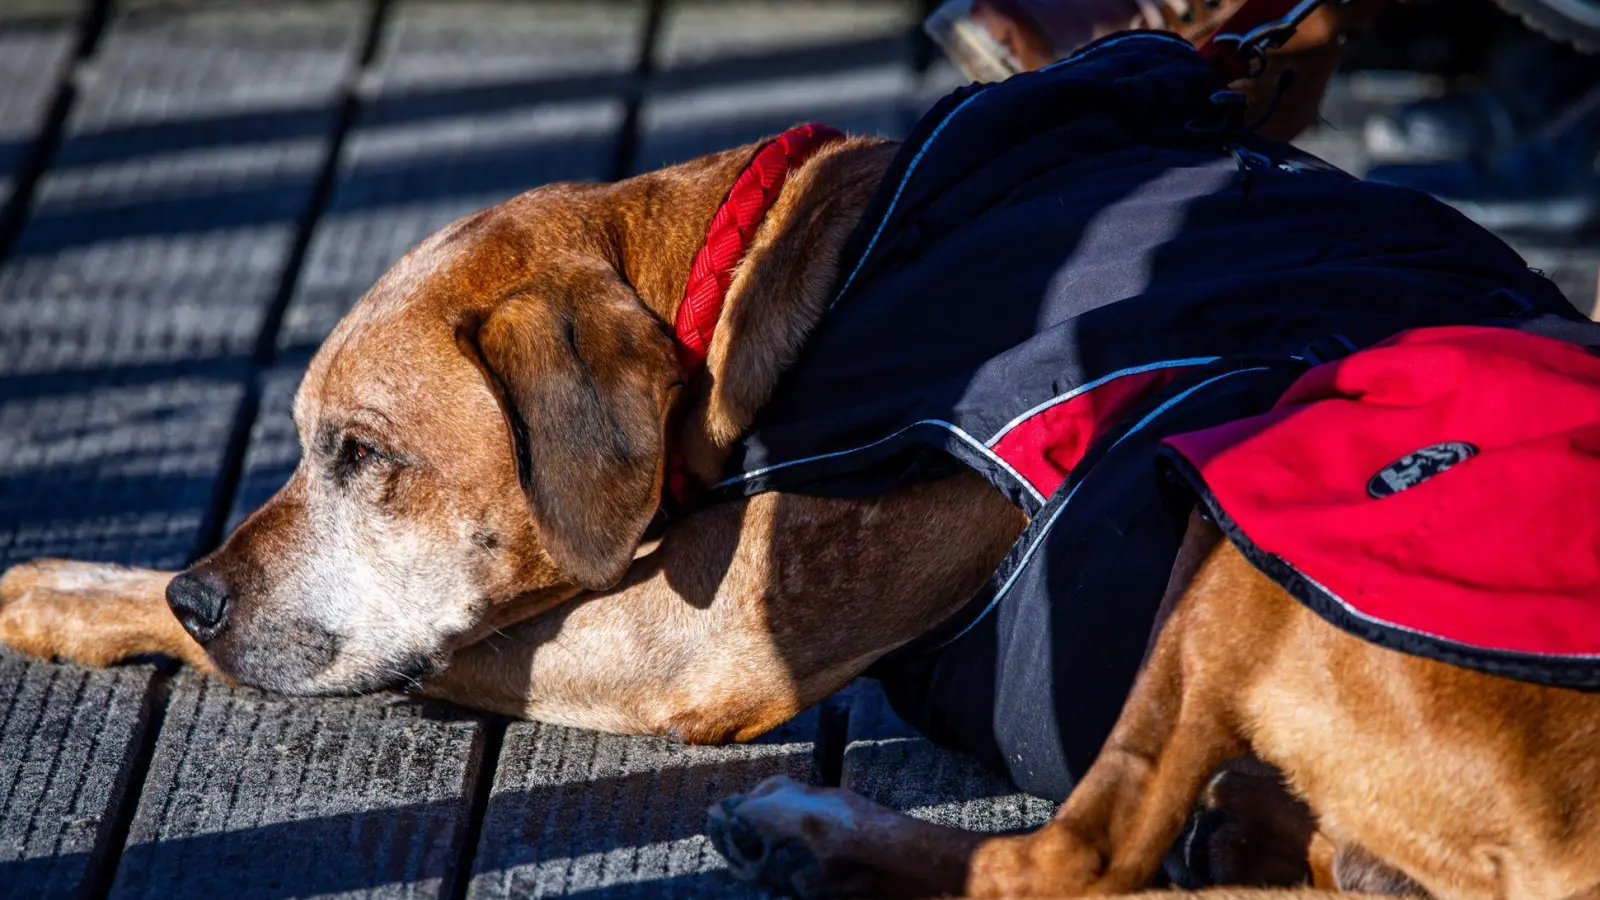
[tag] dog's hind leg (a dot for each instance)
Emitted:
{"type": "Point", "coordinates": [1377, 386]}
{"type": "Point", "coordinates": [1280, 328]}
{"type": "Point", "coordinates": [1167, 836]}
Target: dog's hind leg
{"type": "Point", "coordinates": [94, 614]}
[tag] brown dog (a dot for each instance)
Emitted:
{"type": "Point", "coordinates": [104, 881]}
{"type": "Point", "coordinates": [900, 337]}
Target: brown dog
{"type": "Point", "coordinates": [485, 438]}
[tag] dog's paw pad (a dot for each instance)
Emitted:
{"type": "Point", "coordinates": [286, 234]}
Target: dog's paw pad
{"type": "Point", "coordinates": [756, 853]}
{"type": "Point", "coordinates": [792, 868]}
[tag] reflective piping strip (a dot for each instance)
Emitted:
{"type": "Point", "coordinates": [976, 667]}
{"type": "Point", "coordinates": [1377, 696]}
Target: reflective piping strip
{"type": "Point", "coordinates": [915, 160]}
{"type": "Point", "coordinates": [1050, 523]}
{"type": "Point", "coordinates": [969, 439]}
{"type": "Point", "coordinates": [1449, 642]}
{"type": "Point", "coordinates": [904, 180]}
{"type": "Point", "coordinates": [1098, 382]}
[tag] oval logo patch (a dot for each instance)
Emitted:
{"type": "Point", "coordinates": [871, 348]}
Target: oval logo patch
{"type": "Point", "coordinates": [1416, 467]}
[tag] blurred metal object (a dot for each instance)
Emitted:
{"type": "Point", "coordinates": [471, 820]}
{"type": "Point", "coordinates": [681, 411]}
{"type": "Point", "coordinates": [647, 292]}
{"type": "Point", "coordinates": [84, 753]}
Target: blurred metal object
{"type": "Point", "coordinates": [1262, 43]}
{"type": "Point", "coordinates": [1235, 38]}
{"type": "Point", "coordinates": [969, 44]}
{"type": "Point", "coordinates": [1239, 48]}
{"type": "Point", "coordinates": [1575, 22]}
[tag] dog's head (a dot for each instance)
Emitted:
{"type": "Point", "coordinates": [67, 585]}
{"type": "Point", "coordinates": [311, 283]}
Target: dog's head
{"type": "Point", "coordinates": [485, 435]}
{"type": "Point", "coordinates": [486, 428]}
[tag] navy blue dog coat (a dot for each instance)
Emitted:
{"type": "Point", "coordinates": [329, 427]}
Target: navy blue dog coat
{"type": "Point", "coordinates": [1057, 273]}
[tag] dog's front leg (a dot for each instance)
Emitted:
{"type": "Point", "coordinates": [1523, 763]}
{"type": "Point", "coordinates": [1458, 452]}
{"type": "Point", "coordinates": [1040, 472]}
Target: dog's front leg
{"type": "Point", "coordinates": [1178, 726]}
{"type": "Point", "coordinates": [1113, 831]}
{"type": "Point", "coordinates": [641, 660]}
{"type": "Point", "coordinates": [684, 647]}
{"type": "Point", "coordinates": [811, 842]}
{"type": "Point", "coordinates": [94, 614]}
{"type": "Point", "coordinates": [1110, 836]}
{"type": "Point", "coordinates": [586, 667]}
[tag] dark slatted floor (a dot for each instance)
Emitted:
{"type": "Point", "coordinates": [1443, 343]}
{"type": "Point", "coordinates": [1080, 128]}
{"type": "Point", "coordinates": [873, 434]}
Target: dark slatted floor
{"type": "Point", "coordinates": [191, 194]}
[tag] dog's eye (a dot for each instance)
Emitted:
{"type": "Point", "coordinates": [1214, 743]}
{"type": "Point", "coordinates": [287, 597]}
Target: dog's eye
{"type": "Point", "coordinates": [356, 454]}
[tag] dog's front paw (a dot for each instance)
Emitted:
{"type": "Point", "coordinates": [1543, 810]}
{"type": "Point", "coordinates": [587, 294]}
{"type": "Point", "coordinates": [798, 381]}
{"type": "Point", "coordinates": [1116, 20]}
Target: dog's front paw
{"type": "Point", "coordinates": [89, 613]}
{"type": "Point", "coordinates": [809, 842]}
{"type": "Point", "coordinates": [765, 835]}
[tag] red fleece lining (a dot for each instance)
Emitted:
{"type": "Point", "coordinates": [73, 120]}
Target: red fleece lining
{"type": "Point", "coordinates": [1046, 446]}
{"type": "Point", "coordinates": [1499, 550]}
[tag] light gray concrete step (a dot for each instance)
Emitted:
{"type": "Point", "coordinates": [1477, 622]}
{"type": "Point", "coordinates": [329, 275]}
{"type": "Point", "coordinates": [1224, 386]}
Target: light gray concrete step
{"type": "Point", "coordinates": [1575, 270]}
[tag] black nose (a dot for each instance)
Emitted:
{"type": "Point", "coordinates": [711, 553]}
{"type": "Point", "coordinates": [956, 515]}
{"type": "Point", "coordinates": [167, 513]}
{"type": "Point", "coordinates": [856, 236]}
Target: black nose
{"type": "Point", "coordinates": [200, 601]}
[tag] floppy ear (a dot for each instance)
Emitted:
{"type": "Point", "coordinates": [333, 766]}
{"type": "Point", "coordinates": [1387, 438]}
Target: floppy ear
{"type": "Point", "coordinates": [587, 373]}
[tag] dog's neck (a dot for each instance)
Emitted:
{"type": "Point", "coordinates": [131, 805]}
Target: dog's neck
{"type": "Point", "coordinates": [779, 290]}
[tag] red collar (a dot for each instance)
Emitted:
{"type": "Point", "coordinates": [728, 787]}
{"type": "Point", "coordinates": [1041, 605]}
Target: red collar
{"type": "Point", "coordinates": [732, 228]}
{"type": "Point", "coordinates": [730, 233]}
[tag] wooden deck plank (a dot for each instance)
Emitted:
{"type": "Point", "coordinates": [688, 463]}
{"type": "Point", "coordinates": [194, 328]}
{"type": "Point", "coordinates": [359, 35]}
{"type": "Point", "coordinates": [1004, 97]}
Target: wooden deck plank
{"type": "Point", "coordinates": [68, 743]}
{"type": "Point", "coordinates": [732, 71]}
{"type": "Point", "coordinates": [466, 104]}
{"type": "Point", "coordinates": [252, 796]}
{"type": "Point", "coordinates": [581, 813]}
{"type": "Point", "coordinates": [162, 230]}
{"type": "Point", "coordinates": [273, 448]}
{"type": "Point", "coordinates": [36, 42]}
{"type": "Point", "coordinates": [124, 473]}
{"type": "Point", "coordinates": [886, 761]}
